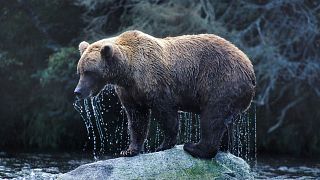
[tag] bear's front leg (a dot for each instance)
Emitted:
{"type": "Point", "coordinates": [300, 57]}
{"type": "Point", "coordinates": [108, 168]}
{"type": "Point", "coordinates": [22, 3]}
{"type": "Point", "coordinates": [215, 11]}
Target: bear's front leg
{"type": "Point", "coordinates": [138, 124]}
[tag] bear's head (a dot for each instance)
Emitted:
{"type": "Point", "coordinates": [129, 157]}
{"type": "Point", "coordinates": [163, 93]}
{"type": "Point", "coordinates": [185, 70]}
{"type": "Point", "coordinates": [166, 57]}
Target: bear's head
{"type": "Point", "coordinates": [100, 63]}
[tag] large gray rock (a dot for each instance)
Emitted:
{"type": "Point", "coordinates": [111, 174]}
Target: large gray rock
{"type": "Point", "coordinates": [170, 164]}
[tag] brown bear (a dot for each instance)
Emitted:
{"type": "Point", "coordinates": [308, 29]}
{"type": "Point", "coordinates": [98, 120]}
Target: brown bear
{"type": "Point", "coordinates": [203, 74]}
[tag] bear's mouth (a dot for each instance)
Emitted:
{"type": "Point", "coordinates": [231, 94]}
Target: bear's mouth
{"type": "Point", "coordinates": [95, 91]}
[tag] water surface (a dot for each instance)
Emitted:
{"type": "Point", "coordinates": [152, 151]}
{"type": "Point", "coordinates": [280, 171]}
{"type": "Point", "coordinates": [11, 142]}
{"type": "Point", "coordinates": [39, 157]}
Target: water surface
{"type": "Point", "coordinates": [39, 166]}
{"type": "Point", "coordinates": [48, 166]}
{"type": "Point", "coordinates": [284, 167]}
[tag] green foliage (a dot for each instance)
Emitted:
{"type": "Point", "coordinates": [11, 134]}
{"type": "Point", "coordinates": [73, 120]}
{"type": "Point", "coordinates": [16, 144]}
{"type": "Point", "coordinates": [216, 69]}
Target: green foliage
{"type": "Point", "coordinates": [34, 114]}
{"type": "Point", "coordinates": [56, 118]}
{"type": "Point", "coordinates": [61, 68]}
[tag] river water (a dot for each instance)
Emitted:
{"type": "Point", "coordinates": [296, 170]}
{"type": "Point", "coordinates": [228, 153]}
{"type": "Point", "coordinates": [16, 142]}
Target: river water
{"type": "Point", "coordinates": [48, 166]}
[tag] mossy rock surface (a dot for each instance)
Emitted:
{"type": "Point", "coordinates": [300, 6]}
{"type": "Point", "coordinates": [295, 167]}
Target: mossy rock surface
{"type": "Point", "coordinates": [174, 163]}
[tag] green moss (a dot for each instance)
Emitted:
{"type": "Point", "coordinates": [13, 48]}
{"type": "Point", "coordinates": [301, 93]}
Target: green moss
{"type": "Point", "coordinates": [174, 163]}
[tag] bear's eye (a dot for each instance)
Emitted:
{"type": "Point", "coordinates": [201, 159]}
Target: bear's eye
{"type": "Point", "coordinates": [90, 73]}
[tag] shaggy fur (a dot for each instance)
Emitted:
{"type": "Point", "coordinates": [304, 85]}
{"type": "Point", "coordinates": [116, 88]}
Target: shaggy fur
{"type": "Point", "coordinates": [203, 74]}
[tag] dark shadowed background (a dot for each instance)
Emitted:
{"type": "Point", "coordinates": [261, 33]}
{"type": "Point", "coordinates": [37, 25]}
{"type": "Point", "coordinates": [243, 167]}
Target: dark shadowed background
{"type": "Point", "coordinates": [38, 57]}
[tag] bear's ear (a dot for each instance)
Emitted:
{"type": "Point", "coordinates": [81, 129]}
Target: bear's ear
{"type": "Point", "coordinates": [83, 46]}
{"type": "Point", "coordinates": [107, 51]}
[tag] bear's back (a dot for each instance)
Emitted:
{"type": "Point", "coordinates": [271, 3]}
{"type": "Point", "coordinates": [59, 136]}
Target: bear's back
{"type": "Point", "coordinates": [206, 64]}
{"type": "Point", "coordinates": [207, 55]}
{"type": "Point", "coordinates": [192, 66]}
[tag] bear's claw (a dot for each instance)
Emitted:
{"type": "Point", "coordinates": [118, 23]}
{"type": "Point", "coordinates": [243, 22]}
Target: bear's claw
{"type": "Point", "coordinates": [164, 147]}
{"type": "Point", "coordinates": [168, 143]}
{"type": "Point", "coordinates": [129, 153]}
{"type": "Point", "coordinates": [199, 151]}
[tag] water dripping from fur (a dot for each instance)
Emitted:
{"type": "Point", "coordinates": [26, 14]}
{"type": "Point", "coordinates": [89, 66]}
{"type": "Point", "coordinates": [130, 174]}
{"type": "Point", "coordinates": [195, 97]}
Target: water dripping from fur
{"type": "Point", "coordinates": [108, 135]}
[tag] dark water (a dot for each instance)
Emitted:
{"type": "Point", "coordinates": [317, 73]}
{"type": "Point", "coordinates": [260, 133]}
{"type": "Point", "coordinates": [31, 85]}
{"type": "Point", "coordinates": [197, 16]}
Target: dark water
{"type": "Point", "coordinates": [48, 166]}
{"type": "Point", "coordinates": [39, 166]}
{"type": "Point", "coordinates": [281, 167]}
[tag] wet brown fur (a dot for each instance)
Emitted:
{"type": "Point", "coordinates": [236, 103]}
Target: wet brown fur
{"type": "Point", "coordinates": [203, 74]}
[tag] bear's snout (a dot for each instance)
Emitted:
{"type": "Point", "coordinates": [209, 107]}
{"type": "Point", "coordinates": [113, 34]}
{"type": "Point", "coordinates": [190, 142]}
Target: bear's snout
{"type": "Point", "coordinates": [77, 93]}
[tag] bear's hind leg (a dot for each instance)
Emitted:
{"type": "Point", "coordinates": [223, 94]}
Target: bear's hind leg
{"type": "Point", "coordinates": [170, 125]}
{"type": "Point", "coordinates": [138, 124]}
{"type": "Point", "coordinates": [212, 129]}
